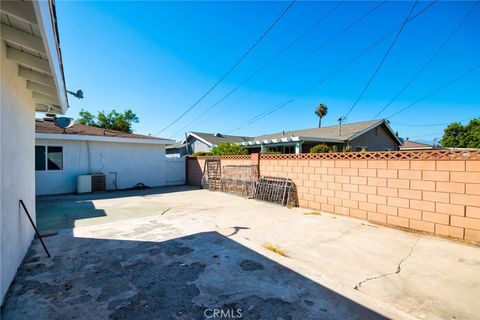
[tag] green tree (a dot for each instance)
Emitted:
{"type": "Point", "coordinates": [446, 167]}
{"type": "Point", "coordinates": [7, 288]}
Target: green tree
{"type": "Point", "coordinates": [228, 148]}
{"type": "Point", "coordinates": [113, 120]}
{"type": "Point", "coordinates": [321, 111]}
{"type": "Point", "coordinates": [320, 148]}
{"type": "Point", "coordinates": [457, 135]}
{"type": "Point", "coordinates": [86, 118]}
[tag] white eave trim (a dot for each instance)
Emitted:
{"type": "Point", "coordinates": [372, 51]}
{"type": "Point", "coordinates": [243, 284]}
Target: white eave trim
{"type": "Point", "coordinates": [200, 138]}
{"type": "Point", "coordinates": [378, 123]}
{"type": "Point", "coordinates": [415, 148]}
{"type": "Point", "coordinates": [79, 137]}
{"type": "Point", "coordinates": [289, 139]}
{"type": "Point", "coordinates": [46, 26]}
{"type": "Point", "coordinates": [303, 138]}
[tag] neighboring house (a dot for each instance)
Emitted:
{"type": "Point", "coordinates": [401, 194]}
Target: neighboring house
{"type": "Point", "coordinates": [414, 145]}
{"type": "Point", "coordinates": [32, 81]}
{"type": "Point", "coordinates": [375, 135]}
{"type": "Point", "coordinates": [176, 150]}
{"type": "Point", "coordinates": [201, 142]}
{"type": "Point", "coordinates": [126, 159]}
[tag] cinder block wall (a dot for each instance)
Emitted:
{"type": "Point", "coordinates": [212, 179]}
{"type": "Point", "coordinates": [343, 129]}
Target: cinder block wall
{"type": "Point", "coordinates": [195, 166]}
{"type": "Point", "coordinates": [436, 196]}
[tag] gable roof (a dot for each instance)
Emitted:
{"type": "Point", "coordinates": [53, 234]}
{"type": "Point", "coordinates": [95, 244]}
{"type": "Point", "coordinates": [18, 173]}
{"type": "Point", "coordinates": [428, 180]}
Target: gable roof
{"type": "Point", "coordinates": [349, 131]}
{"type": "Point", "coordinates": [48, 127]}
{"type": "Point", "coordinates": [410, 144]}
{"type": "Point", "coordinates": [215, 139]}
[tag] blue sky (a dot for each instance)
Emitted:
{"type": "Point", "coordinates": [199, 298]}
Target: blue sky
{"type": "Point", "coordinates": [158, 58]}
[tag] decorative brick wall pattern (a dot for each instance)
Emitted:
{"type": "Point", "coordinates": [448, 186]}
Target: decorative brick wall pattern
{"type": "Point", "coordinates": [472, 154]}
{"type": "Point", "coordinates": [441, 197]}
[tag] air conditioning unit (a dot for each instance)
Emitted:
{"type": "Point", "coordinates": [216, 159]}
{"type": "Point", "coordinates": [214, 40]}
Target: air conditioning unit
{"type": "Point", "coordinates": [91, 183]}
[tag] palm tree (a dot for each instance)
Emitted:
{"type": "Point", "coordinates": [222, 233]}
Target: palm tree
{"type": "Point", "coordinates": [321, 112]}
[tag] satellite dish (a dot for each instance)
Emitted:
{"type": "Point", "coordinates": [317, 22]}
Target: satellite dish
{"type": "Point", "coordinates": [63, 122]}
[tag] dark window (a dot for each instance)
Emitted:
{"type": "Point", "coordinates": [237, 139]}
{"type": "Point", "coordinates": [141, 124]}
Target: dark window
{"type": "Point", "coordinates": [39, 158]}
{"type": "Point", "coordinates": [289, 149]}
{"type": "Point", "coordinates": [55, 158]}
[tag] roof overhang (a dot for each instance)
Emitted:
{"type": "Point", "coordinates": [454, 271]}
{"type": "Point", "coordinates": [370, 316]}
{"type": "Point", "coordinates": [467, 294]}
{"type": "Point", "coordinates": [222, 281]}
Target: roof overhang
{"type": "Point", "coordinates": [200, 138]}
{"type": "Point", "coordinates": [378, 123]}
{"type": "Point", "coordinates": [79, 137]}
{"type": "Point", "coordinates": [416, 148]}
{"type": "Point", "coordinates": [290, 139]}
{"type": "Point", "coordinates": [29, 29]}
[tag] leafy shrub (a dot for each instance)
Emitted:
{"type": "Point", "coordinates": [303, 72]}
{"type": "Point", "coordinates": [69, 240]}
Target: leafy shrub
{"type": "Point", "coordinates": [320, 148]}
{"type": "Point", "coordinates": [364, 149]}
{"type": "Point", "coordinates": [199, 154]}
{"type": "Point", "coordinates": [334, 148]}
{"type": "Point", "coordinates": [228, 148]}
{"type": "Point", "coordinates": [347, 149]}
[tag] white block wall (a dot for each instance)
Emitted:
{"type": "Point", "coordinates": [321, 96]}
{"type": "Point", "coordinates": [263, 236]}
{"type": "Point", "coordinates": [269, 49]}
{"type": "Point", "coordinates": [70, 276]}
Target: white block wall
{"type": "Point", "coordinates": [134, 163]}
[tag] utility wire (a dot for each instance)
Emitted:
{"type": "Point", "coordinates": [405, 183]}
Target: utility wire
{"type": "Point", "coordinates": [322, 45]}
{"type": "Point", "coordinates": [341, 68]}
{"type": "Point", "coordinates": [266, 64]}
{"type": "Point", "coordinates": [463, 75]}
{"type": "Point", "coordinates": [427, 63]}
{"type": "Point", "coordinates": [233, 66]}
{"type": "Point", "coordinates": [382, 61]}
{"type": "Point", "coordinates": [338, 34]}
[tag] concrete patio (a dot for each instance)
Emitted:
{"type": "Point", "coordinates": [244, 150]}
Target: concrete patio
{"type": "Point", "coordinates": [181, 253]}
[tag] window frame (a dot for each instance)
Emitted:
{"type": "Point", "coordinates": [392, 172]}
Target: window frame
{"type": "Point", "coordinates": [46, 158]}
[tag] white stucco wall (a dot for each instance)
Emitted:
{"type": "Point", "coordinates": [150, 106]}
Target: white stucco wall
{"type": "Point", "coordinates": [134, 163]}
{"type": "Point", "coordinates": [17, 178]}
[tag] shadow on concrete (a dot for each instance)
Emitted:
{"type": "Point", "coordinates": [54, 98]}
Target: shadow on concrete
{"type": "Point", "coordinates": [183, 278]}
{"type": "Point", "coordinates": [54, 217]}
{"type": "Point", "coordinates": [56, 212]}
{"type": "Point", "coordinates": [116, 194]}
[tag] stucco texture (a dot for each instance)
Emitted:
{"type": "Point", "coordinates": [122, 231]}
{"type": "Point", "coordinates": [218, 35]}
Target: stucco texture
{"type": "Point", "coordinates": [133, 164]}
{"type": "Point", "coordinates": [17, 169]}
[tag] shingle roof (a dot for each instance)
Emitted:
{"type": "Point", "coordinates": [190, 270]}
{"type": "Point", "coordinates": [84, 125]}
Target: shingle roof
{"type": "Point", "coordinates": [409, 144]}
{"type": "Point", "coordinates": [178, 144]}
{"type": "Point", "coordinates": [330, 132]}
{"type": "Point", "coordinates": [47, 126]}
{"type": "Point", "coordinates": [216, 138]}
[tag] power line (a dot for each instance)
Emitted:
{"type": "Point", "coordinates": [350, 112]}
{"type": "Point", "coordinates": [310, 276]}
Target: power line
{"type": "Point", "coordinates": [463, 75]}
{"type": "Point", "coordinates": [266, 64]}
{"type": "Point", "coordinates": [233, 66]}
{"type": "Point", "coordinates": [427, 63]}
{"type": "Point", "coordinates": [341, 68]}
{"type": "Point", "coordinates": [338, 34]}
{"type": "Point", "coordinates": [322, 45]}
{"type": "Point", "coordinates": [382, 61]}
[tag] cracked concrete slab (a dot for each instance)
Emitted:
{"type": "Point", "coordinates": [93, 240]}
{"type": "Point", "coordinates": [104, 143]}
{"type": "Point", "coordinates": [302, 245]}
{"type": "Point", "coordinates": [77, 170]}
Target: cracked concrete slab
{"type": "Point", "coordinates": [208, 251]}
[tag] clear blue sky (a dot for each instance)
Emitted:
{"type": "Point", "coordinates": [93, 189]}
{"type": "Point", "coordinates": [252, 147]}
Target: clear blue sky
{"type": "Point", "coordinates": [158, 58]}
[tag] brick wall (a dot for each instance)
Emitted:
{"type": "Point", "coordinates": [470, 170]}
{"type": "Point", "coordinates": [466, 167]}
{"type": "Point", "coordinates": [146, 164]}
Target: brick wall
{"type": "Point", "coordinates": [195, 166]}
{"type": "Point", "coordinates": [436, 196]}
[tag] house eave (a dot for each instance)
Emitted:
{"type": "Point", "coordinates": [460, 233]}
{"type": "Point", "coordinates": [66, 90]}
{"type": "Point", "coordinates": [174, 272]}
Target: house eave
{"type": "Point", "coordinates": [79, 137]}
{"type": "Point", "coordinates": [201, 139]}
{"type": "Point", "coordinates": [48, 28]}
{"type": "Point", "coordinates": [290, 139]}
